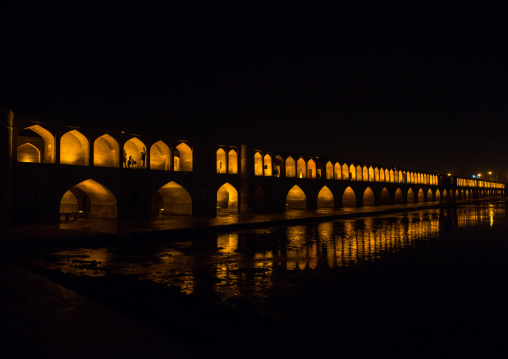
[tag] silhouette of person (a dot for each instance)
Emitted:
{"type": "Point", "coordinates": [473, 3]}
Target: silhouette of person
{"type": "Point", "coordinates": [130, 162]}
{"type": "Point", "coordinates": [143, 157]}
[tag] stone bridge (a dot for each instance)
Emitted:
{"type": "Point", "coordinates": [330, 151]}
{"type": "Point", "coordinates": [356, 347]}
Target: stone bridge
{"type": "Point", "coordinates": [54, 172]}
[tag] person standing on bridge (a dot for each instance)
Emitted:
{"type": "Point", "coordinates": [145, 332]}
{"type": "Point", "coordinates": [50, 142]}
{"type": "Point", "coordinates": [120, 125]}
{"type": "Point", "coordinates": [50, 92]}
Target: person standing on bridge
{"type": "Point", "coordinates": [143, 157]}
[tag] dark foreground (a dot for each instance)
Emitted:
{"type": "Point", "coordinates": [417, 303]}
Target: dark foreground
{"type": "Point", "coordinates": [440, 292]}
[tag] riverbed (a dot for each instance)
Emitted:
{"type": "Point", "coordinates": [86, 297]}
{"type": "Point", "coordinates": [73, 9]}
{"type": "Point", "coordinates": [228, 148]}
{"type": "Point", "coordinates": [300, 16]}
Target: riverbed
{"type": "Point", "coordinates": [423, 283]}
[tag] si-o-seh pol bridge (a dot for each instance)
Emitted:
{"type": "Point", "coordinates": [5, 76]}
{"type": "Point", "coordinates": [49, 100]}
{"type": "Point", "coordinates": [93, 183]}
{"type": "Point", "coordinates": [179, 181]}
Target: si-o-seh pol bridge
{"type": "Point", "coordinates": [55, 171]}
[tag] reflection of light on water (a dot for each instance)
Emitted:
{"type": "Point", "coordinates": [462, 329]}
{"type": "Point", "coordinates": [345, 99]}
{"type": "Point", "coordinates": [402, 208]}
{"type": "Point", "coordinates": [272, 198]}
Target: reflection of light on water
{"type": "Point", "coordinates": [252, 264]}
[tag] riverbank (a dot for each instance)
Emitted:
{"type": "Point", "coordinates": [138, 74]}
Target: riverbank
{"type": "Point", "coordinates": [100, 231]}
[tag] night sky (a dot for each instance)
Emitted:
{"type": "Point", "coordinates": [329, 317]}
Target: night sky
{"type": "Point", "coordinates": [408, 84]}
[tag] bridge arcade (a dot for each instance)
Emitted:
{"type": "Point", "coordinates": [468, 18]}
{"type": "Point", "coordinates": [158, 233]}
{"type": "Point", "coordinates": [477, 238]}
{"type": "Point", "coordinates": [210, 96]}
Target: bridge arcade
{"type": "Point", "coordinates": [62, 172]}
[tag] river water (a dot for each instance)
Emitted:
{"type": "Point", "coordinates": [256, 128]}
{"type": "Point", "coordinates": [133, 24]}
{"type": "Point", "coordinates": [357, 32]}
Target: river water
{"type": "Point", "coordinates": [378, 278]}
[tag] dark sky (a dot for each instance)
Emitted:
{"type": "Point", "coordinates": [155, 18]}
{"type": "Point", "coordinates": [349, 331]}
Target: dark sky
{"type": "Point", "coordinates": [410, 84]}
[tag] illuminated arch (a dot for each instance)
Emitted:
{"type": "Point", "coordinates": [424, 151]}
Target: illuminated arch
{"type": "Point", "coordinates": [368, 197]}
{"type": "Point", "coordinates": [376, 174]}
{"type": "Point", "coordinates": [160, 156]}
{"type": "Point", "coordinates": [349, 197]}
{"type": "Point", "coordinates": [329, 170]}
{"type": "Point", "coordinates": [301, 168]}
{"type": "Point", "coordinates": [399, 198]}
{"type": "Point", "coordinates": [438, 195]}
{"type": "Point", "coordinates": [258, 164]}
{"type": "Point", "coordinates": [28, 153]}
{"type": "Point", "coordinates": [296, 198]}
{"type": "Point", "coordinates": [325, 198]}
{"type": "Point", "coordinates": [359, 175]}
{"type": "Point", "coordinates": [445, 194]}
{"type": "Point", "coordinates": [467, 194]}
{"type": "Point", "coordinates": [457, 194]}
{"type": "Point", "coordinates": [89, 199]}
{"type": "Point", "coordinates": [227, 199]}
{"type": "Point", "coordinates": [421, 196]}
{"type": "Point", "coordinates": [41, 139]}
{"type": "Point", "coordinates": [365, 174]}
{"type": "Point", "coordinates": [311, 169]}
{"type": "Point", "coordinates": [392, 176]}
{"type": "Point", "coordinates": [385, 196]}
{"type": "Point", "coordinates": [381, 175]}
{"type": "Point", "coordinates": [74, 149]}
{"type": "Point", "coordinates": [132, 151]}
{"type": "Point", "coordinates": [267, 165]}
{"type": "Point", "coordinates": [290, 167]}
{"type": "Point", "coordinates": [352, 173]}
{"type": "Point", "coordinates": [345, 172]}
{"type": "Point", "coordinates": [401, 178]}
{"type": "Point", "coordinates": [387, 175]}
{"type": "Point", "coordinates": [232, 162]}
{"type": "Point", "coordinates": [430, 196]}
{"type": "Point", "coordinates": [172, 199]}
{"type": "Point", "coordinates": [182, 157]}
{"type": "Point", "coordinates": [278, 164]}
{"type": "Point", "coordinates": [337, 171]}
{"type": "Point", "coordinates": [220, 156]}
{"type": "Point", "coordinates": [106, 152]}
{"type": "Point", "coordinates": [371, 174]}
{"type": "Point", "coordinates": [410, 196]}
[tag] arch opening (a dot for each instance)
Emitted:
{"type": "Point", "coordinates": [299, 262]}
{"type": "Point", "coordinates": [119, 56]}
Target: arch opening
{"type": "Point", "coordinates": [74, 149]}
{"type": "Point", "coordinates": [37, 137]}
{"type": "Point", "coordinates": [88, 199]}
{"type": "Point", "coordinates": [221, 160]}
{"type": "Point", "coordinates": [399, 198]}
{"type": "Point", "coordinates": [160, 156]}
{"type": "Point", "coordinates": [296, 198]}
{"type": "Point", "coordinates": [325, 198]}
{"type": "Point", "coordinates": [349, 198]}
{"type": "Point", "coordinates": [106, 152]}
{"type": "Point", "coordinates": [134, 154]}
{"type": "Point", "coordinates": [410, 196]}
{"type": "Point", "coordinates": [385, 196]}
{"type": "Point", "coordinates": [290, 167]}
{"type": "Point", "coordinates": [171, 199]}
{"type": "Point", "coordinates": [368, 197]}
{"type": "Point", "coordinates": [232, 162]}
{"type": "Point", "coordinates": [183, 158]}
{"type": "Point", "coordinates": [227, 199]}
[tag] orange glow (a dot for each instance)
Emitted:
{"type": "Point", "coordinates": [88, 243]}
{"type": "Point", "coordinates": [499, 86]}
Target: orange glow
{"type": "Point", "coordinates": [296, 198]}
{"type": "Point", "coordinates": [106, 152]}
{"type": "Point", "coordinates": [160, 156]}
{"type": "Point", "coordinates": [74, 149]}
{"type": "Point", "coordinates": [290, 167]}
{"type": "Point", "coordinates": [325, 198]}
{"type": "Point", "coordinates": [301, 168]}
{"type": "Point", "coordinates": [349, 197]}
{"type": "Point", "coordinates": [227, 199]}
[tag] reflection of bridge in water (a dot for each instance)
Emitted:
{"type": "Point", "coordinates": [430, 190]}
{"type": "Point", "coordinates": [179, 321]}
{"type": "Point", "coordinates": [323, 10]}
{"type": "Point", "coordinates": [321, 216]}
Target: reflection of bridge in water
{"type": "Point", "coordinates": [251, 262]}
{"type": "Point", "coordinates": [58, 172]}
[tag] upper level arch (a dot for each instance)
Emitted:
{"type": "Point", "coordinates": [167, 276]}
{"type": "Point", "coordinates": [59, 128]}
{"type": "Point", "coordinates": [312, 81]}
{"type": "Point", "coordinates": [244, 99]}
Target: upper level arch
{"type": "Point", "coordinates": [106, 152]}
{"type": "Point", "coordinates": [290, 167]}
{"type": "Point", "coordinates": [352, 172]}
{"type": "Point", "coordinates": [232, 162]}
{"type": "Point", "coordinates": [258, 164]}
{"type": "Point", "coordinates": [359, 176]}
{"type": "Point", "coordinates": [329, 170]}
{"type": "Point", "coordinates": [345, 172]}
{"type": "Point", "coordinates": [337, 173]}
{"type": "Point", "coordinates": [278, 164]}
{"type": "Point", "coordinates": [42, 147]}
{"type": "Point", "coordinates": [301, 168]}
{"type": "Point", "coordinates": [182, 158]}
{"type": "Point", "coordinates": [74, 149]}
{"type": "Point", "coordinates": [311, 169]}
{"type": "Point", "coordinates": [134, 153]}
{"type": "Point", "coordinates": [268, 165]}
{"type": "Point", "coordinates": [221, 160]}
{"type": "Point", "coordinates": [160, 156]}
